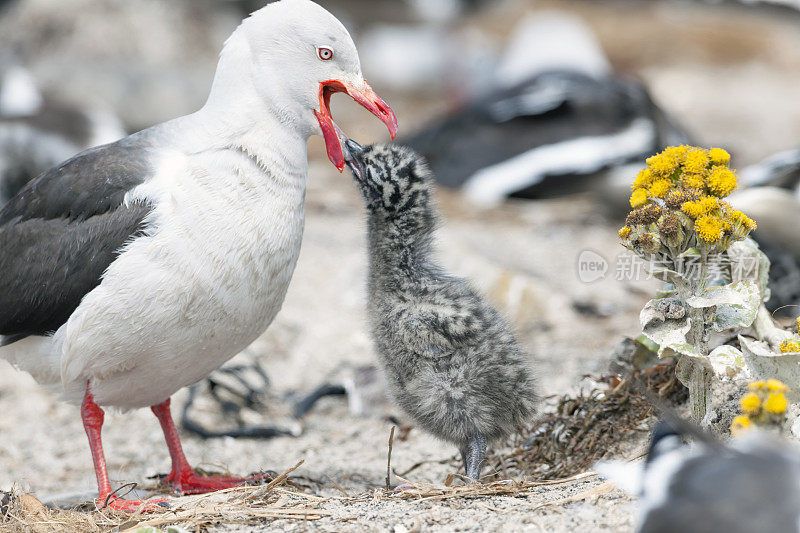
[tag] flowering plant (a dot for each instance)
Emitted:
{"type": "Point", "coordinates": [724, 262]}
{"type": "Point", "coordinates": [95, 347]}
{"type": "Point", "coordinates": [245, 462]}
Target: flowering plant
{"type": "Point", "coordinates": [764, 405]}
{"type": "Point", "coordinates": [791, 345]}
{"type": "Point", "coordinates": [678, 213]}
{"type": "Point", "coordinates": [717, 276]}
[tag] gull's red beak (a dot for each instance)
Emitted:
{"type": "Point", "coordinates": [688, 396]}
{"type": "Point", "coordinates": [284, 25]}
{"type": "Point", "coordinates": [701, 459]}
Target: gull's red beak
{"type": "Point", "coordinates": [364, 95]}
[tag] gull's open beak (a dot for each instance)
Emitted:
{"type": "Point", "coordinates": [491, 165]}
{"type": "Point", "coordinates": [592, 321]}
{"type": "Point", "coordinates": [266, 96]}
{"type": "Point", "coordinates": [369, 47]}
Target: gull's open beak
{"type": "Point", "coordinates": [364, 95]}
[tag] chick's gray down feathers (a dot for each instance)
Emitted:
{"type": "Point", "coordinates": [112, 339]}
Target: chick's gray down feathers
{"type": "Point", "coordinates": [451, 360]}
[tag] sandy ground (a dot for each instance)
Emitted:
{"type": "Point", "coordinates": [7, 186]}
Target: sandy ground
{"type": "Point", "coordinates": [524, 249]}
{"type": "Point", "coordinates": [523, 255]}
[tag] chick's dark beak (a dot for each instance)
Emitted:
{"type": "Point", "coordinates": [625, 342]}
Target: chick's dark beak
{"type": "Point", "coordinates": [352, 156]}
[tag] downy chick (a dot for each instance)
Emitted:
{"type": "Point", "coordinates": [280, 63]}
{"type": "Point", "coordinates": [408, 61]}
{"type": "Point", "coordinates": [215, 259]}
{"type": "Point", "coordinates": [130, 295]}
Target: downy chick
{"type": "Point", "coordinates": [450, 359]}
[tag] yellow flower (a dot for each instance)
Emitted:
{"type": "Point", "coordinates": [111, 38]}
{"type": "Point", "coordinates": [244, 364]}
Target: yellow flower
{"type": "Point", "coordinates": [775, 403]}
{"type": "Point", "coordinates": [643, 179]}
{"type": "Point", "coordinates": [750, 403]}
{"type": "Point", "coordinates": [744, 220]}
{"type": "Point", "coordinates": [798, 325]}
{"type": "Point", "coordinates": [789, 346]}
{"type": "Point", "coordinates": [722, 181]}
{"type": "Point", "coordinates": [677, 153]}
{"type": "Point", "coordinates": [638, 198]}
{"type": "Point", "coordinates": [660, 188]}
{"type": "Point", "coordinates": [708, 228]}
{"type": "Point", "coordinates": [624, 232]}
{"type": "Point", "coordinates": [662, 164]}
{"type": "Point", "coordinates": [696, 161]}
{"type": "Point", "coordinates": [693, 181]}
{"type": "Point", "coordinates": [693, 208]}
{"type": "Point", "coordinates": [719, 156]}
{"type": "Point", "coordinates": [739, 425]}
{"type": "Point", "coordinates": [709, 203]}
{"type": "Point", "coordinates": [756, 386]}
{"type": "Point", "coordinates": [774, 385]}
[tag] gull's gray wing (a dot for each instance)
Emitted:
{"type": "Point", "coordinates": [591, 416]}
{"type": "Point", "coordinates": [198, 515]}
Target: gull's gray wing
{"type": "Point", "coordinates": [61, 232]}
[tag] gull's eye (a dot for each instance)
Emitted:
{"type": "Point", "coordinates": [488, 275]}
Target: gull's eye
{"type": "Point", "coordinates": [324, 53]}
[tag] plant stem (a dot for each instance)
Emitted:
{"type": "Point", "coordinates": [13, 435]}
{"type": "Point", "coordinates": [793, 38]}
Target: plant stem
{"type": "Point", "coordinates": [691, 372]}
{"type": "Point", "coordinates": [697, 378]}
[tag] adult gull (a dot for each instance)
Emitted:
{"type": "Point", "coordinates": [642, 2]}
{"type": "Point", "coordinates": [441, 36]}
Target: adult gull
{"type": "Point", "coordinates": [136, 268]}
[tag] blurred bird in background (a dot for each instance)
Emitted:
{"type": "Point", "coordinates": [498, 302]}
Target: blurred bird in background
{"type": "Point", "coordinates": [707, 487]}
{"type": "Point", "coordinates": [38, 132]}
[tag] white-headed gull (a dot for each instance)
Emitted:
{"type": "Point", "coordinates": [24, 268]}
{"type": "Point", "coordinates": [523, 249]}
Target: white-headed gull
{"type": "Point", "coordinates": [136, 268]}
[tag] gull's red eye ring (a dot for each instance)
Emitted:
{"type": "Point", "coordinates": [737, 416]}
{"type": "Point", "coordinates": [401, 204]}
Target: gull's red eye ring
{"type": "Point", "coordinates": [325, 53]}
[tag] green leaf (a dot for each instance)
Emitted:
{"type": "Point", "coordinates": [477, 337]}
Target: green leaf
{"type": "Point", "coordinates": [737, 304]}
{"type": "Point", "coordinates": [726, 361]}
{"type": "Point", "coordinates": [764, 363]}
{"type": "Point", "coordinates": [748, 262]}
{"type": "Point", "coordinates": [661, 309]}
{"type": "Point", "coordinates": [670, 336]}
{"type": "Point", "coordinates": [652, 346]}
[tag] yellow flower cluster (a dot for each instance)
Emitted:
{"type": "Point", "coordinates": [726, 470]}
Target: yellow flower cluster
{"type": "Point", "coordinates": [660, 188]}
{"type": "Point", "coordinates": [770, 385]}
{"type": "Point", "coordinates": [721, 181]}
{"type": "Point", "coordinates": [644, 179]}
{"type": "Point", "coordinates": [764, 404]}
{"type": "Point", "coordinates": [792, 345]}
{"type": "Point", "coordinates": [685, 185]}
{"type": "Point", "coordinates": [718, 156]}
{"type": "Point", "coordinates": [740, 218]}
{"type": "Point", "coordinates": [696, 161]}
{"type": "Point", "coordinates": [708, 228]}
{"type": "Point", "coordinates": [740, 425]}
{"type": "Point", "coordinates": [638, 198]}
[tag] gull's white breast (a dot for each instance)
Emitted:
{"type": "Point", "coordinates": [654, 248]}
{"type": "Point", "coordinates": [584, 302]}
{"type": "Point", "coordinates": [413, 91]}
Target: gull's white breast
{"type": "Point", "coordinates": [206, 280]}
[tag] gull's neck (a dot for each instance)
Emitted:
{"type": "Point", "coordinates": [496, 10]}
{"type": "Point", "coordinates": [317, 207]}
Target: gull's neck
{"type": "Point", "coordinates": [270, 127]}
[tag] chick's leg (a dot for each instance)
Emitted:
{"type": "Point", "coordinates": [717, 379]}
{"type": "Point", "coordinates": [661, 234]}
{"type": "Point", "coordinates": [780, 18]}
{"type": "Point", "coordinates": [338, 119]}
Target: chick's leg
{"type": "Point", "coordinates": [473, 453]}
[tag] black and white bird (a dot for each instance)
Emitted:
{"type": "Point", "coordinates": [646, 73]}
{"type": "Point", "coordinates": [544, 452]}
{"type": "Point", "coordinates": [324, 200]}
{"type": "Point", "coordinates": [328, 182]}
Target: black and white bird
{"type": "Point", "coordinates": [38, 132]}
{"type": "Point", "coordinates": [450, 360]}
{"type": "Point", "coordinates": [557, 120]}
{"type": "Point", "coordinates": [752, 484]}
{"type": "Point", "coordinates": [778, 170]}
{"type": "Point", "coordinates": [136, 268]}
{"type": "Point", "coordinates": [545, 136]}
{"type": "Point", "coordinates": [770, 194]}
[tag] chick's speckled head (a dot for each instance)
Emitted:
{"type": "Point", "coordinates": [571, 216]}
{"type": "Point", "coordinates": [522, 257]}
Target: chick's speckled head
{"type": "Point", "coordinates": [393, 179]}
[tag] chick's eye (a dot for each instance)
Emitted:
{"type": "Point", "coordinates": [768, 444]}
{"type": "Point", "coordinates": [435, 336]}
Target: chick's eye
{"type": "Point", "coordinates": [325, 53]}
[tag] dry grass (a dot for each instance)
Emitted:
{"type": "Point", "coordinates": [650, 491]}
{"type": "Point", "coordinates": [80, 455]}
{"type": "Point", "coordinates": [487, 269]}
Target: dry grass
{"type": "Point", "coordinates": [557, 451]}
{"type": "Point", "coordinates": [259, 505]}
{"type": "Point", "coordinates": [242, 505]}
{"type": "Point", "coordinates": [588, 427]}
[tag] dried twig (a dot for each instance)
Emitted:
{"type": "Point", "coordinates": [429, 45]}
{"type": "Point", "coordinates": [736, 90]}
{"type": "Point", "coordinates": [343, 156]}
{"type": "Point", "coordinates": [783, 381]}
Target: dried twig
{"type": "Point", "coordinates": [261, 491]}
{"type": "Point", "coordinates": [389, 460]}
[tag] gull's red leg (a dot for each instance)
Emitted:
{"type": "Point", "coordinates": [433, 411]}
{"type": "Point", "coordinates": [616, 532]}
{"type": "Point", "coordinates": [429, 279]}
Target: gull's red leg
{"type": "Point", "coordinates": [92, 416]}
{"type": "Point", "coordinates": [183, 478]}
